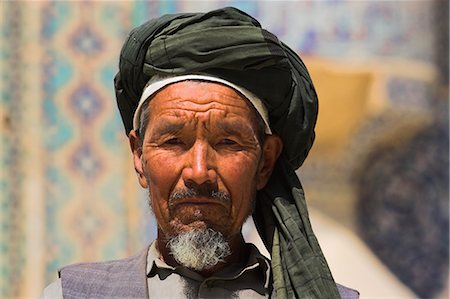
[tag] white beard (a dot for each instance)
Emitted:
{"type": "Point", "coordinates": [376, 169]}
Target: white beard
{"type": "Point", "coordinates": [199, 249]}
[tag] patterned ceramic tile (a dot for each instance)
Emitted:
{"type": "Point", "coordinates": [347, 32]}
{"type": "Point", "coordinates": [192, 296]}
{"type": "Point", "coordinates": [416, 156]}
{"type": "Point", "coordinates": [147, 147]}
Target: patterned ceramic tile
{"type": "Point", "coordinates": [93, 208]}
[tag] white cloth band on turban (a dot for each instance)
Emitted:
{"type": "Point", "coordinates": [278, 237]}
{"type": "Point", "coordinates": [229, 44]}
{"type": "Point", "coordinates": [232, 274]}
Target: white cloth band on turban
{"type": "Point", "coordinates": [156, 84]}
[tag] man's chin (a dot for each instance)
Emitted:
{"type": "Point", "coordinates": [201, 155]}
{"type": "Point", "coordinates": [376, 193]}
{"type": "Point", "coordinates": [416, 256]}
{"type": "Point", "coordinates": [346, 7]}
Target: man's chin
{"type": "Point", "coordinates": [214, 215]}
{"type": "Point", "coordinates": [187, 223]}
{"type": "Point", "coordinates": [178, 227]}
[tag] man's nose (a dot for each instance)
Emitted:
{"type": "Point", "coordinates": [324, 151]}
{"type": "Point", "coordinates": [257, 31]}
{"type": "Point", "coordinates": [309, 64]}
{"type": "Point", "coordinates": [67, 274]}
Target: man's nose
{"type": "Point", "coordinates": [201, 167]}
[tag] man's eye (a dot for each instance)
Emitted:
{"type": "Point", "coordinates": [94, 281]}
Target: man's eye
{"type": "Point", "coordinates": [174, 141]}
{"type": "Point", "coordinates": [227, 141]}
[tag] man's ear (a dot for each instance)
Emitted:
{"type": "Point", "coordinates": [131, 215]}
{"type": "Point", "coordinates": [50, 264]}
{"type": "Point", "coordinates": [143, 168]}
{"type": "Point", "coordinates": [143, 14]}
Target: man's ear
{"type": "Point", "coordinates": [271, 150]}
{"type": "Point", "coordinates": [136, 150]}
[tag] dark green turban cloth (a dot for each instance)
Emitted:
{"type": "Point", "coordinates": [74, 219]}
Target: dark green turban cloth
{"type": "Point", "coordinates": [230, 44]}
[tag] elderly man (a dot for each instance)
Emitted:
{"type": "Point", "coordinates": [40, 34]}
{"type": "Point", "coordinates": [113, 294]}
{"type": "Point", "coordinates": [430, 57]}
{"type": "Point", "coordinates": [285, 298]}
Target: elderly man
{"type": "Point", "coordinates": [219, 114]}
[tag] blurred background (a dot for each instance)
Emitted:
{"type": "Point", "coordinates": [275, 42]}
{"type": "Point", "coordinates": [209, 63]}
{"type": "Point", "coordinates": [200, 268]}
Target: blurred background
{"type": "Point", "coordinates": [376, 180]}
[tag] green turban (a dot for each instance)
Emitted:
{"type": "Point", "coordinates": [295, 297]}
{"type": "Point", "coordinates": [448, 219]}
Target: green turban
{"type": "Point", "coordinates": [229, 44]}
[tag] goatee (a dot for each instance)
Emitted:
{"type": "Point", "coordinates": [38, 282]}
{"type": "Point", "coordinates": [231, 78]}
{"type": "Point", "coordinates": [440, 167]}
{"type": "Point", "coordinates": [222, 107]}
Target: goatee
{"type": "Point", "coordinates": [199, 249]}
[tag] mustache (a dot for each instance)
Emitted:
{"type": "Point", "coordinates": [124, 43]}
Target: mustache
{"type": "Point", "coordinates": [199, 191]}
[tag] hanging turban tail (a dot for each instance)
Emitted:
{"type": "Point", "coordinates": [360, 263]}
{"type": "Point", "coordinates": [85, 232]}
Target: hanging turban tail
{"type": "Point", "coordinates": [229, 44]}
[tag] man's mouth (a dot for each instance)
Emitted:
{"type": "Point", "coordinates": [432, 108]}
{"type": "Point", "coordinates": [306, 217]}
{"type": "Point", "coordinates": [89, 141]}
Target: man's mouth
{"type": "Point", "coordinates": [197, 201]}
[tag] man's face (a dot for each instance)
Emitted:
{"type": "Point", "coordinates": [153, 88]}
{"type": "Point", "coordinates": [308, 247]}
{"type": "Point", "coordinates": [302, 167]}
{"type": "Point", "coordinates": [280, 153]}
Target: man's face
{"type": "Point", "coordinates": [201, 159]}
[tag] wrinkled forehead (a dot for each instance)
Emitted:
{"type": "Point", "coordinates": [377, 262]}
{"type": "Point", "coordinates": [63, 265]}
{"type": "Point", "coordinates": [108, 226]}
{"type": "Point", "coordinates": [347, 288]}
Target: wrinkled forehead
{"type": "Point", "coordinates": [210, 89]}
{"type": "Point", "coordinates": [214, 106]}
{"type": "Point", "coordinates": [200, 96]}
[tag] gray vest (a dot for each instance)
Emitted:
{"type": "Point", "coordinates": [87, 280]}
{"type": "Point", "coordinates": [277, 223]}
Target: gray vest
{"type": "Point", "coordinates": [121, 279]}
